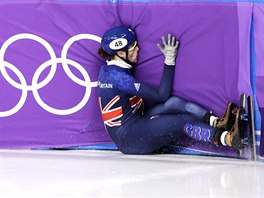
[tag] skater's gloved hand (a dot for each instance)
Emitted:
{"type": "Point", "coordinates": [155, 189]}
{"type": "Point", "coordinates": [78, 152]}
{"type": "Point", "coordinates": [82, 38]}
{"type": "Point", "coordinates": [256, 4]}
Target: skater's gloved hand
{"type": "Point", "coordinates": [169, 49]}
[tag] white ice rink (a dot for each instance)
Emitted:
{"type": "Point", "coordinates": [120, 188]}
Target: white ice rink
{"type": "Point", "coordinates": [110, 174]}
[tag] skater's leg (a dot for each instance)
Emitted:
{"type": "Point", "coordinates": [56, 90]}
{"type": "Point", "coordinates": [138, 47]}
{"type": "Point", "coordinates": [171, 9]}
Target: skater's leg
{"type": "Point", "coordinates": [149, 134]}
{"type": "Point", "coordinates": [176, 105]}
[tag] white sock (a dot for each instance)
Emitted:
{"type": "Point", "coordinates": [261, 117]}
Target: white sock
{"type": "Point", "coordinates": [212, 120]}
{"type": "Point", "coordinates": [222, 138]}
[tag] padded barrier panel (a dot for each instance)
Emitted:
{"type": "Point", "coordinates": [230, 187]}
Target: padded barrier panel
{"type": "Point", "coordinates": [49, 63]}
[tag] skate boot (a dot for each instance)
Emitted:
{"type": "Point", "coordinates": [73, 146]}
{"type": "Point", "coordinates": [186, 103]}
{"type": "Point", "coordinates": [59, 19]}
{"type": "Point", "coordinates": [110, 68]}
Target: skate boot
{"type": "Point", "coordinates": [226, 122]}
{"type": "Point", "coordinates": [232, 137]}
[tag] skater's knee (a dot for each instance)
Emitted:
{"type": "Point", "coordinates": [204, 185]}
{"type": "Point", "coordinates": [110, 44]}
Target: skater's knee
{"type": "Point", "coordinates": [174, 101]}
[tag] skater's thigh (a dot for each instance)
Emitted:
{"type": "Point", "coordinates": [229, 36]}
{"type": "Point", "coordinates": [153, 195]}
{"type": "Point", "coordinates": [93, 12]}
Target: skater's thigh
{"type": "Point", "coordinates": [158, 129]}
{"type": "Point", "coordinates": [174, 105]}
{"type": "Point", "coordinates": [177, 105]}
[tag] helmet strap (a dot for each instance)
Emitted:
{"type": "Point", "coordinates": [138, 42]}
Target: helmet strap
{"type": "Point", "coordinates": [126, 59]}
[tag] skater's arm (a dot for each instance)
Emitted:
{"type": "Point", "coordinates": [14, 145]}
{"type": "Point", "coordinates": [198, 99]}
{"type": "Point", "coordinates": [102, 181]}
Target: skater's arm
{"type": "Point", "coordinates": [128, 84]}
{"type": "Point", "coordinates": [160, 94]}
{"type": "Point", "coordinates": [169, 49]}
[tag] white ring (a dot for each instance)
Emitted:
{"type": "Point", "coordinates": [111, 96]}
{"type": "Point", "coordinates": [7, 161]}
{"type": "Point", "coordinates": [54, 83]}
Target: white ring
{"type": "Point", "coordinates": [24, 91]}
{"type": "Point", "coordinates": [62, 111]}
{"type": "Point", "coordinates": [38, 39]}
{"type": "Point", "coordinates": [35, 86]}
{"type": "Point", "coordinates": [65, 51]}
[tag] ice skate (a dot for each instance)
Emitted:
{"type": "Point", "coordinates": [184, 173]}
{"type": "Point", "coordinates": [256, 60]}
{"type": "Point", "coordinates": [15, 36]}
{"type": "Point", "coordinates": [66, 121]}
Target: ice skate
{"type": "Point", "coordinates": [226, 122]}
{"type": "Point", "coordinates": [232, 137]}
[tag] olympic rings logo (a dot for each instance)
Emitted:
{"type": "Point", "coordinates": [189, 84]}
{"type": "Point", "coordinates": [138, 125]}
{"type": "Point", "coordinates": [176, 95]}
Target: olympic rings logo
{"type": "Point", "coordinates": [52, 62]}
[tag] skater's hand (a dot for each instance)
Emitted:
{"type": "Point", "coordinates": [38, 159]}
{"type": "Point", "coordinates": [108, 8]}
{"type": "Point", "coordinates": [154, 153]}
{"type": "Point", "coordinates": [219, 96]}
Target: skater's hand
{"type": "Point", "coordinates": [169, 50]}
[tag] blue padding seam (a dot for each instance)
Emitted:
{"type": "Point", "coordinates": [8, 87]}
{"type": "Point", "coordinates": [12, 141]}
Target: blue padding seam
{"type": "Point", "coordinates": [253, 71]}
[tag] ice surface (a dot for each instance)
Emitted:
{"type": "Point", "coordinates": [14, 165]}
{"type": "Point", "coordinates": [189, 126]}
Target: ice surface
{"type": "Point", "coordinates": [110, 174]}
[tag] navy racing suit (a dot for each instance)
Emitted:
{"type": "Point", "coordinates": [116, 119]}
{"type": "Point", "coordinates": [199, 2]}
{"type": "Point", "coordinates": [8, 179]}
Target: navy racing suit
{"type": "Point", "coordinates": [121, 100]}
